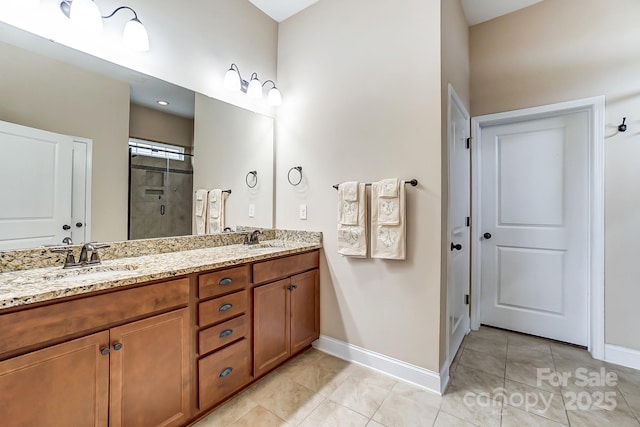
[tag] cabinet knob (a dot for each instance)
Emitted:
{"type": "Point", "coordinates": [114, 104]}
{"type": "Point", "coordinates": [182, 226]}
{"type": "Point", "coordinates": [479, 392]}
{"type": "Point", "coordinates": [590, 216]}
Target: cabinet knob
{"type": "Point", "coordinates": [225, 281]}
{"type": "Point", "coordinates": [117, 346]}
{"type": "Point", "coordinates": [104, 351]}
{"type": "Point", "coordinates": [225, 372]}
{"type": "Point", "coordinates": [225, 333]}
{"type": "Point", "coordinates": [225, 307]}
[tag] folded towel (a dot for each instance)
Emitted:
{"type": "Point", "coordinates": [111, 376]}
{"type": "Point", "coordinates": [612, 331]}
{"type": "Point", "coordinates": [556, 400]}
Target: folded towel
{"type": "Point", "coordinates": [348, 203]}
{"type": "Point", "coordinates": [389, 211]}
{"type": "Point", "coordinates": [215, 219]}
{"type": "Point", "coordinates": [389, 187]}
{"type": "Point", "coordinates": [388, 241]}
{"type": "Point", "coordinates": [352, 239]}
{"type": "Point", "coordinates": [200, 212]}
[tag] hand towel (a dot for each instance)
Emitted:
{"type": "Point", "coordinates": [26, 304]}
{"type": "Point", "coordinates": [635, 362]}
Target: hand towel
{"type": "Point", "coordinates": [348, 203]}
{"type": "Point", "coordinates": [388, 241]}
{"type": "Point", "coordinates": [200, 212]}
{"type": "Point", "coordinates": [352, 239]}
{"type": "Point", "coordinates": [389, 187]}
{"type": "Point", "coordinates": [215, 219]}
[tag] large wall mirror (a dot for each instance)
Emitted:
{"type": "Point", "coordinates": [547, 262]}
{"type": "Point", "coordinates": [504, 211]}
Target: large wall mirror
{"type": "Point", "coordinates": [196, 143]}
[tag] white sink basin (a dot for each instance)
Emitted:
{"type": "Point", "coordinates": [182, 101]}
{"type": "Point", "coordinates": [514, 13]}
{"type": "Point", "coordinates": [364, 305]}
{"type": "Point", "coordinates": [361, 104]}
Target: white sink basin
{"type": "Point", "coordinates": [90, 273]}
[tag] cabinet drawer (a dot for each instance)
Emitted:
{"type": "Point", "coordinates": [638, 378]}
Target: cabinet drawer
{"type": "Point", "coordinates": [271, 270]}
{"type": "Point", "coordinates": [223, 308]}
{"type": "Point", "coordinates": [220, 282]}
{"type": "Point", "coordinates": [33, 326]}
{"type": "Point", "coordinates": [224, 372]}
{"type": "Point", "coordinates": [215, 337]}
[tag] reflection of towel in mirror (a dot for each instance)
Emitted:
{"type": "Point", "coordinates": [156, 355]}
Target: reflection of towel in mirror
{"type": "Point", "coordinates": [388, 223]}
{"type": "Point", "coordinates": [215, 219]}
{"type": "Point", "coordinates": [200, 212]}
{"type": "Point", "coordinates": [348, 203]}
{"type": "Point", "coordinates": [352, 239]}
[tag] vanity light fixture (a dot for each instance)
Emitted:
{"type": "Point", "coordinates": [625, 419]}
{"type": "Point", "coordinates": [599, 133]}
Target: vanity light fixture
{"type": "Point", "coordinates": [253, 88]}
{"type": "Point", "coordinates": [86, 15]}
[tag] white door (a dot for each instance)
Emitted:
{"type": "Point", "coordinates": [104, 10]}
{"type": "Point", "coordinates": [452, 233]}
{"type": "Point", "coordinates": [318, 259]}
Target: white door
{"type": "Point", "coordinates": [459, 207]}
{"type": "Point", "coordinates": [35, 190]}
{"type": "Point", "coordinates": [81, 191]}
{"type": "Point", "coordinates": [534, 196]}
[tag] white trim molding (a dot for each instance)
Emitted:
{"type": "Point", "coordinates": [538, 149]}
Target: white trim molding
{"type": "Point", "coordinates": [596, 108]}
{"type": "Point", "coordinates": [415, 375]}
{"type": "Point", "coordinates": [622, 356]}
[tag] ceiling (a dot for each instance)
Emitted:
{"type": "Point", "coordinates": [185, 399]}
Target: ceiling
{"type": "Point", "coordinates": [476, 11]}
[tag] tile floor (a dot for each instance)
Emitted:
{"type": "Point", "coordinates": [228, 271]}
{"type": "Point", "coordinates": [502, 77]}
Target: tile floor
{"type": "Point", "coordinates": [498, 378]}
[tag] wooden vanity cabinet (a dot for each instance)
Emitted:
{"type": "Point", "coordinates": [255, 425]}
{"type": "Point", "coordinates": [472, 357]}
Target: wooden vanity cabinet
{"type": "Point", "coordinates": [131, 374]}
{"type": "Point", "coordinates": [286, 311]}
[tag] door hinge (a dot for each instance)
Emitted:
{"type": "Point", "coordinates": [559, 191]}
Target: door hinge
{"type": "Point", "coordinates": [466, 299]}
{"type": "Point", "coordinates": [468, 222]}
{"type": "Point", "coordinates": [468, 143]}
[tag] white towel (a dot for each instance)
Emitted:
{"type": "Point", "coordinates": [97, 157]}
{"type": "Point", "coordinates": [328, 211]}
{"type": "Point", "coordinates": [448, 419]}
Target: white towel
{"type": "Point", "coordinates": [215, 219]}
{"type": "Point", "coordinates": [388, 241]}
{"type": "Point", "coordinates": [389, 187]}
{"type": "Point", "coordinates": [348, 203]}
{"type": "Point", "coordinates": [352, 239]}
{"type": "Point", "coordinates": [200, 212]}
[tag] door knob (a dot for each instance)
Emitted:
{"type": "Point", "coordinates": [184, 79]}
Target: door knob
{"type": "Point", "coordinates": [117, 346]}
{"type": "Point", "coordinates": [66, 227]}
{"type": "Point", "coordinates": [456, 247]}
{"type": "Point", "coordinates": [79, 224]}
{"type": "Point", "coordinates": [487, 235]}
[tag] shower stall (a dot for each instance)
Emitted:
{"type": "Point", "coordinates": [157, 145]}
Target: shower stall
{"type": "Point", "coordinates": [160, 193]}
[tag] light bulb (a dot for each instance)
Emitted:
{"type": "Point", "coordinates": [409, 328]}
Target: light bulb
{"type": "Point", "coordinates": [85, 15]}
{"type": "Point", "coordinates": [274, 98]}
{"type": "Point", "coordinates": [255, 88]}
{"type": "Point", "coordinates": [135, 36]}
{"type": "Point", "coordinates": [232, 80]}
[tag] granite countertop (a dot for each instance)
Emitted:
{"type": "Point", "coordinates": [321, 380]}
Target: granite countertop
{"type": "Point", "coordinates": [23, 287]}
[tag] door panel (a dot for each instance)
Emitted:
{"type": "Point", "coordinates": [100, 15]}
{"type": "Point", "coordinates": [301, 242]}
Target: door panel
{"type": "Point", "coordinates": [534, 204]}
{"type": "Point", "coordinates": [271, 326]}
{"type": "Point", "coordinates": [305, 314]}
{"type": "Point", "coordinates": [36, 169]}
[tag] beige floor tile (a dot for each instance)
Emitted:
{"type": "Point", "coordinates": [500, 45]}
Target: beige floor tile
{"type": "Point", "coordinates": [486, 331]}
{"type": "Point", "coordinates": [628, 378]}
{"type": "Point", "coordinates": [568, 364]}
{"type": "Point", "coordinates": [540, 402]}
{"type": "Point", "coordinates": [331, 414]}
{"type": "Point", "coordinates": [292, 402]}
{"type": "Point", "coordinates": [633, 400]}
{"type": "Point", "coordinates": [229, 413]}
{"type": "Point", "coordinates": [530, 374]}
{"type": "Point", "coordinates": [373, 423]}
{"type": "Point", "coordinates": [539, 359]}
{"type": "Point", "coordinates": [259, 416]}
{"type": "Point", "coordinates": [622, 416]}
{"type": "Point", "coordinates": [369, 376]}
{"type": "Point", "coordinates": [447, 420]}
{"type": "Point", "coordinates": [360, 395]}
{"type": "Point", "coordinates": [483, 361]}
{"type": "Point", "coordinates": [325, 375]}
{"type": "Point", "coordinates": [492, 344]}
{"type": "Point", "coordinates": [570, 352]}
{"type": "Point", "coordinates": [398, 411]}
{"type": "Point", "coordinates": [529, 342]}
{"type": "Point", "coordinates": [414, 393]}
{"type": "Point", "coordinates": [514, 417]}
{"type": "Point", "coordinates": [267, 386]}
{"type": "Point", "coordinates": [456, 358]}
{"type": "Point", "coordinates": [472, 407]}
{"type": "Point", "coordinates": [471, 379]}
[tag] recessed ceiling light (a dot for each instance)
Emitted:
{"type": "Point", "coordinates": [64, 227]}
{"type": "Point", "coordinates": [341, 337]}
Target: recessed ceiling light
{"type": "Point", "coordinates": [163, 102]}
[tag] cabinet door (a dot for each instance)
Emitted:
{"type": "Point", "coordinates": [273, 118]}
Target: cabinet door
{"type": "Point", "coordinates": [64, 385]}
{"type": "Point", "coordinates": [150, 371]}
{"type": "Point", "coordinates": [271, 326]}
{"type": "Point", "coordinates": [305, 310]}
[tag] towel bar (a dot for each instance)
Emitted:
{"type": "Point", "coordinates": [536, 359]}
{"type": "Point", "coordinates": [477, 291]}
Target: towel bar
{"type": "Point", "coordinates": [413, 183]}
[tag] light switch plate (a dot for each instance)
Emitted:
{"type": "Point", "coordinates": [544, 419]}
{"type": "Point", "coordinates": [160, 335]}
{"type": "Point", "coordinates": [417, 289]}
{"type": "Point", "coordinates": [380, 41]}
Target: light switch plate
{"type": "Point", "coordinates": [252, 210]}
{"type": "Point", "coordinates": [303, 211]}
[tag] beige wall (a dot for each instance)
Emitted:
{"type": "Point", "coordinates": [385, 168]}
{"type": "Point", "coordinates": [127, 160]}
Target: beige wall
{"type": "Point", "coordinates": [228, 143]}
{"type": "Point", "coordinates": [455, 71]}
{"type": "Point", "coordinates": [46, 94]}
{"type": "Point", "coordinates": [361, 82]}
{"type": "Point", "coordinates": [154, 125]}
{"type": "Point", "coordinates": [559, 50]}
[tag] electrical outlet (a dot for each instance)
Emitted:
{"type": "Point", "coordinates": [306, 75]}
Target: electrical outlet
{"type": "Point", "coordinates": [303, 211]}
{"type": "Point", "coordinates": [252, 210]}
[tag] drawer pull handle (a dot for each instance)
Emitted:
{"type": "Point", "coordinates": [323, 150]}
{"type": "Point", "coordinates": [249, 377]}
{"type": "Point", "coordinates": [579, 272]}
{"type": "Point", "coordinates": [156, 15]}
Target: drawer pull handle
{"type": "Point", "coordinates": [225, 307]}
{"type": "Point", "coordinates": [225, 281]}
{"type": "Point", "coordinates": [226, 333]}
{"type": "Point", "coordinates": [225, 372]}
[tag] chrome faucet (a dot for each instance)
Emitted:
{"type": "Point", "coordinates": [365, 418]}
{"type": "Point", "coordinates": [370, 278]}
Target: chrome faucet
{"type": "Point", "coordinates": [90, 247]}
{"type": "Point", "coordinates": [252, 239]}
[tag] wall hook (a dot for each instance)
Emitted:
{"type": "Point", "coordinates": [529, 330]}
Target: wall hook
{"type": "Point", "coordinates": [623, 126]}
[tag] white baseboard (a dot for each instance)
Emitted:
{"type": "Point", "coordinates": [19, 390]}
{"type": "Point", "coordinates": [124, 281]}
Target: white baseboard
{"type": "Point", "coordinates": [622, 356]}
{"type": "Point", "coordinates": [415, 375]}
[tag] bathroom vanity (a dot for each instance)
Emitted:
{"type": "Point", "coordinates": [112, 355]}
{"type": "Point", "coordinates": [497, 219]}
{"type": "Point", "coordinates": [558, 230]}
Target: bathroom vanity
{"type": "Point", "coordinates": [154, 340]}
